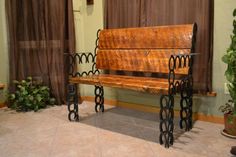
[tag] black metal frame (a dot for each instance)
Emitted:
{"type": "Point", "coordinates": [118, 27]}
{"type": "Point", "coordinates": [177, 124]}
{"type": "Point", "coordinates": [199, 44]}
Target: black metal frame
{"type": "Point", "coordinates": [185, 88]}
{"type": "Point", "coordinates": [72, 95]}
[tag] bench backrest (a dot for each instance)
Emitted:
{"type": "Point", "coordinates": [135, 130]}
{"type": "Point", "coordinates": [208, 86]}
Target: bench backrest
{"type": "Point", "coordinates": [145, 49]}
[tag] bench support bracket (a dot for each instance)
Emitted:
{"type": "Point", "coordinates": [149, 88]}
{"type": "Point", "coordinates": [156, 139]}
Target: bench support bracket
{"type": "Point", "coordinates": [72, 102]}
{"type": "Point", "coordinates": [166, 120]}
{"type": "Point", "coordinates": [186, 104]}
{"type": "Point", "coordinates": [99, 98]}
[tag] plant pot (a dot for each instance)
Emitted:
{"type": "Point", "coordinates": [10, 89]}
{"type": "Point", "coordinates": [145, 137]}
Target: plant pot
{"type": "Point", "coordinates": [230, 124]}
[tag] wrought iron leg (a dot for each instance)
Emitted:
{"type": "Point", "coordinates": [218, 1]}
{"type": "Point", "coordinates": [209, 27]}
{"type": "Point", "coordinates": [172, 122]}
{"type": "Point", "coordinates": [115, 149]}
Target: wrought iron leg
{"type": "Point", "coordinates": [186, 106]}
{"type": "Point", "coordinates": [190, 101]}
{"type": "Point", "coordinates": [166, 120]}
{"type": "Point", "coordinates": [72, 102]}
{"type": "Point", "coordinates": [190, 120]}
{"type": "Point", "coordinates": [99, 98]}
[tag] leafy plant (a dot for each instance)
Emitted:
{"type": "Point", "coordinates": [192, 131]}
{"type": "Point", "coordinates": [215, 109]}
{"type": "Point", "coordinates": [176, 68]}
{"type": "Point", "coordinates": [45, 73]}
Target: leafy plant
{"type": "Point", "coordinates": [227, 108]}
{"type": "Point", "coordinates": [29, 96]}
{"type": "Point", "coordinates": [230, 59]}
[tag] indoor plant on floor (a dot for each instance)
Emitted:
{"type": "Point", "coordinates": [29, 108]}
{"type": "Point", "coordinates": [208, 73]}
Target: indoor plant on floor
{"type": "Point", "coordinates": [229, 109]}
{"type": "Point", "coordinates": [30, 95]}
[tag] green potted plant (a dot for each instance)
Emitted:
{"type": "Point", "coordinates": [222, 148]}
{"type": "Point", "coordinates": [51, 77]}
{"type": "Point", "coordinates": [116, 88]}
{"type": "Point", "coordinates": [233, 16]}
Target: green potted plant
{"type": "Point", "coordinates": [30, 96]}
{"type": "Point", "coordinates": [229, 109]}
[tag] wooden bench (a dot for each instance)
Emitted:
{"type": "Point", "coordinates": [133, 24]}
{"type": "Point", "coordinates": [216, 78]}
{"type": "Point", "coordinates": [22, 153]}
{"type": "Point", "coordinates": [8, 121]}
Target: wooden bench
{"type": "Point", "coordinates": [166, 51]}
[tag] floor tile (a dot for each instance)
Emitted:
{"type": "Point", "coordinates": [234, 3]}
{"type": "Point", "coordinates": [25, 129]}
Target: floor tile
{"type": "Point", "coordinates": [117, 132]}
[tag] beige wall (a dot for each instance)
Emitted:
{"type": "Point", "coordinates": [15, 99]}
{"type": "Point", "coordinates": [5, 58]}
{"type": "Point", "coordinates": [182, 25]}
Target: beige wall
{"type": "Point", "coordinates": [90, 19]}
{"type": "Point", "coordinates": [3, 49]}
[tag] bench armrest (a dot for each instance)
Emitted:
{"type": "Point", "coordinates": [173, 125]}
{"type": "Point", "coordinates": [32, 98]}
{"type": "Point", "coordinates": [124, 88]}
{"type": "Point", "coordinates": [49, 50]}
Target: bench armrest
{"type": "Point", "coordinates": [75, 59]}
{"type": "Point", "coordinates": [177, 62]}
{"type": "Point", "coordinates": [181, 61]}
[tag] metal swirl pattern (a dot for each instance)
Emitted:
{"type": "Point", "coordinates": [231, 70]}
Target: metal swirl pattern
{"type": "Point", "coordinates": [185, 105]}
{"type": "Point", "coordinates": [185, 88]}
{"type": "Point", "coordinates": [72, 97]}
{"type": "Point", "coordinates": [167, 108]}
{"type": "Point", "coordinates": [166, 120]}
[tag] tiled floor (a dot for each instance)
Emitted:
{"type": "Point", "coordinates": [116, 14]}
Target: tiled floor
{"type": "Point", "coordinates": [116, 133]}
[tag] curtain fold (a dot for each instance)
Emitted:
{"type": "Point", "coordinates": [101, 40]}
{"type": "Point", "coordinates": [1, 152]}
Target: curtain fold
{"type": "Point", "coordinates": [142, 13]}
{"type": "Point", "coordinates": [40, 32]}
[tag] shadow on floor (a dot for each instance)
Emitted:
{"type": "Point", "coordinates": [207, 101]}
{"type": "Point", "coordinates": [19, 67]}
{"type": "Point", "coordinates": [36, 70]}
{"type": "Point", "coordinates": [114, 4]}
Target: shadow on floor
{"type": "Point", "coordinates": [133, 123]}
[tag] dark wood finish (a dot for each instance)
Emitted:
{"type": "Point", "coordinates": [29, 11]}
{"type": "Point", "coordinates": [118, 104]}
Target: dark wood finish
{"type": "Point", "coordinates": [176, 36]}
{"type": "Point", "coordinates": [142, 84]}
{"type": "Point", "coordinates": [143, 60]}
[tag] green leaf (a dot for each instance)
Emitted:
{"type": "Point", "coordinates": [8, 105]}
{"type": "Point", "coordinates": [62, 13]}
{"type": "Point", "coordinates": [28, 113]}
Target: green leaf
{"type": "Point", "coordinates": [19, 86]}
{"type": "Point", "coordinates": [228, 75]}
{"type": "Point", "coordinates": [36, 108]}
{"type": "Point", "coordinates": [12, 96]}
{"type": "Point", "coordinates": [39, 98]}
{"type": "Point", "coordinates": [44, 88]}
{"type": "Point", "coordinates": [28, 104]}
{"type": "Point", "coordinates": [29, 78]}
{"type": "Point", "coordinates": [30, 97]}
{"type": "Point", "coordinates": [25, 92]}
{"type": "Point", "coordinates": [15, 82]}
{"type": "Point", "coordinates": [234, 13]}
{"type": "Point", "coordinates": [232, 91]}
{"type": "Point", "coordinates": [35, 91]}
{"type": "Point", "coordinates": [225, 59]}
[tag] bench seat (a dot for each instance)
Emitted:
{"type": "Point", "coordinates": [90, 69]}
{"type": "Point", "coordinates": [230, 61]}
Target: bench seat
{"type": "Point", "coordinates": [142, 84]}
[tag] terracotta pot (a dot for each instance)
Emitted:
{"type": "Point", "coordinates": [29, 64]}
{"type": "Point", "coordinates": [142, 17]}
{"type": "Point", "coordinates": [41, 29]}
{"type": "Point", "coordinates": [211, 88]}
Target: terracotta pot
{"type": "Point", "coordinates": [230, 124]}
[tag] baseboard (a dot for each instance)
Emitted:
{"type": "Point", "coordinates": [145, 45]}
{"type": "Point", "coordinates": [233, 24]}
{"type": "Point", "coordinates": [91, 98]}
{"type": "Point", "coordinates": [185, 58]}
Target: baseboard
{"type": "Point", "coordinates": [209, 118]}
{"type": "Point", "coordinates": [152, 109]}
{"type": "Point", "coordinates": [3, 104]}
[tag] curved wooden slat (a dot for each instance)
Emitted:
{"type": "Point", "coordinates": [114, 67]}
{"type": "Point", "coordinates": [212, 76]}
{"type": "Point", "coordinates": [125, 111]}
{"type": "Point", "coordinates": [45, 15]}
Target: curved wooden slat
{"type": "Point", "coordinates": [142, 60]}
{"type": "Point", "coordinates": [176, 36]}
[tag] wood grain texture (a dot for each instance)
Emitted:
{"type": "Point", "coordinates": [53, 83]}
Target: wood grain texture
{"type": "Point", "coordinates": [146, 49]}
{"type": "Point", "coordinates": [142, 60]}
{"type": "Point", "coordinates": [142, 84]}
{"type": "Point", "coordinates": [176, 36]}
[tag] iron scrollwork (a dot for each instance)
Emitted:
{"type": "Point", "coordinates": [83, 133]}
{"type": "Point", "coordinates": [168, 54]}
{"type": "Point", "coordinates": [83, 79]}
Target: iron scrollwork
{"type": "Point", "coordinates": [185, 88]}
{"type": "Point", "coordinates": [167, 109]}
{"type": "Point", "coordinates": [186, 101]}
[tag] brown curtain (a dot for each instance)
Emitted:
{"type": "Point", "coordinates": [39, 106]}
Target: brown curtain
{"type": "Point", "coordinates": [40, 32]}
{"type": "Point", "coordinates": [139, 13]}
